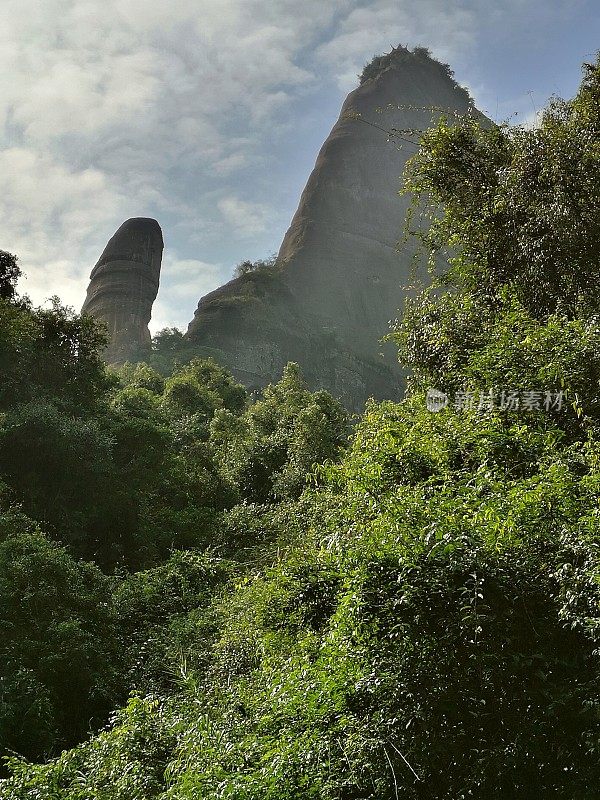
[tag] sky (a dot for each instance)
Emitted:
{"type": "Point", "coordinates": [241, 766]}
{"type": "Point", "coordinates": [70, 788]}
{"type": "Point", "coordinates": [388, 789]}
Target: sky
{"type": "Point", "coordinates": [208, 115]}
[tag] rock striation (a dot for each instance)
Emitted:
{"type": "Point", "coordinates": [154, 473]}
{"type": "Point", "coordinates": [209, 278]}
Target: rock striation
{"type": "Point", "coordinates": [123, 286]}
{"type": "Point", "coordinates": [340, 276]}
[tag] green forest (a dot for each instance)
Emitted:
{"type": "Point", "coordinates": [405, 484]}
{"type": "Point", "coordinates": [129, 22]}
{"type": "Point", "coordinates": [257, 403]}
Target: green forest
{"type": "Point", "coordinates": [211, 595]}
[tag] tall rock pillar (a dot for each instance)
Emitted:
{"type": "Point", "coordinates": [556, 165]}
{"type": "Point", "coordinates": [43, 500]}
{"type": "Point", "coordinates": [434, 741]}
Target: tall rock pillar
{"type": "Point", "coordinates": [123, 287]}
{"type": "Point", "coordinates": [340, 275]}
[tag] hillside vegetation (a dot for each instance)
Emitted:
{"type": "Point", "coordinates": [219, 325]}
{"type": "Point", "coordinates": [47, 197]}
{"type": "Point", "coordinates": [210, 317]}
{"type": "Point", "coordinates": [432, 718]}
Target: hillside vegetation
{"type": "Point", "coordinates": [280, 612]}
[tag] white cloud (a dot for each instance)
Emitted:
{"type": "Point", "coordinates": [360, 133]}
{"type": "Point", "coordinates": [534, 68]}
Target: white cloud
{"type": "Point", "coordinates": [52, 217]}
{"type": "Point", "coordinates": [242, 217]}
{"type": "Point", "coordinates": [373, 28]}
{"type": "Point", "coordinates": [189, 279]}
{"type": "Point", "coordinates": [118, 108]}
{"type": "Point", "coordinates": [230, 163]}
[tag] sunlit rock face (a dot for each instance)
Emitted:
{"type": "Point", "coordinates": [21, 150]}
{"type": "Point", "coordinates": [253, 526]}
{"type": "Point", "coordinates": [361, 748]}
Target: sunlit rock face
{"type": "Point", "coordinates": [341, 275]}
{"type": "Point", "coordinates": [123, 287]}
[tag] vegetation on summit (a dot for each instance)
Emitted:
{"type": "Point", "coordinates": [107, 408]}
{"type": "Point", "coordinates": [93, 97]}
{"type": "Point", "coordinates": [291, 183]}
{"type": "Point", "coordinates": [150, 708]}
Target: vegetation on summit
{"type": "Point", "coordinates": [397, 57]}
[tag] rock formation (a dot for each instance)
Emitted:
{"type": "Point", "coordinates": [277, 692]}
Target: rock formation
{"type": "Point", "coordinates": [339, 276]}
{"type": "Point", "coordinates": [123, 287]}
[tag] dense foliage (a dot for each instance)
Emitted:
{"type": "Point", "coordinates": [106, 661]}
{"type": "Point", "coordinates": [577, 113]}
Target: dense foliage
{"type": "Point", "coordinates": [264, 264]}
{"type": "Point", "coordinates": [125, 497]}
{"type": "Point", "coordinates": [420, 620]}
{"type": "Point", "coordinates": [399, 56]}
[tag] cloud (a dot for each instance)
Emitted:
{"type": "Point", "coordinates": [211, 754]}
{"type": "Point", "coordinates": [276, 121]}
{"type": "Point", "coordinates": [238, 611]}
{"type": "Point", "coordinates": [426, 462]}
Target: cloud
{"type": "Point", "coordinates": [189, 279]}
{"type": "Point", "coordinates": [230, 163]}
{"type": "Point", "coordinates": [243, 217]}
{"type": "Point", "coordinates": [118, 108]}
{"type": "Point", "coordinates": [52, 215]}
{"type": "Point", "coordinates": [373, 28]}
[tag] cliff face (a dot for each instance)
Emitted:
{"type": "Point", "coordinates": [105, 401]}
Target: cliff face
{"type": "Point", "coordinates": [339, 277]}
{"type": "Point", "coordinates": [123, 287]}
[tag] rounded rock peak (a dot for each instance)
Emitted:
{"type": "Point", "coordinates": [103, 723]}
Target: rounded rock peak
{"type": "Point", "coordinates": [146, 224]}
{"type": "Point", "coordinates": [137, 239]}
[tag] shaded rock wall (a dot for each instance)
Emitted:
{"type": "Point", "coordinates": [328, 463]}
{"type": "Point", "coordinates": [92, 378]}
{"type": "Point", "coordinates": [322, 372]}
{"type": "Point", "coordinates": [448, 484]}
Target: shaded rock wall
{"type": "Point", "coordinates": [340, 278]}
{"type": "Point", "coordinates": [123, 287]}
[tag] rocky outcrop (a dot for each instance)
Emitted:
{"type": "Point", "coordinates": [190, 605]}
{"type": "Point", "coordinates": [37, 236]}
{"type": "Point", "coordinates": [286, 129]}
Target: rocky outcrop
{"type": "Point", "coordinates": [123, 287]}
{"type": "Point", "coordinates": [340, 276]}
